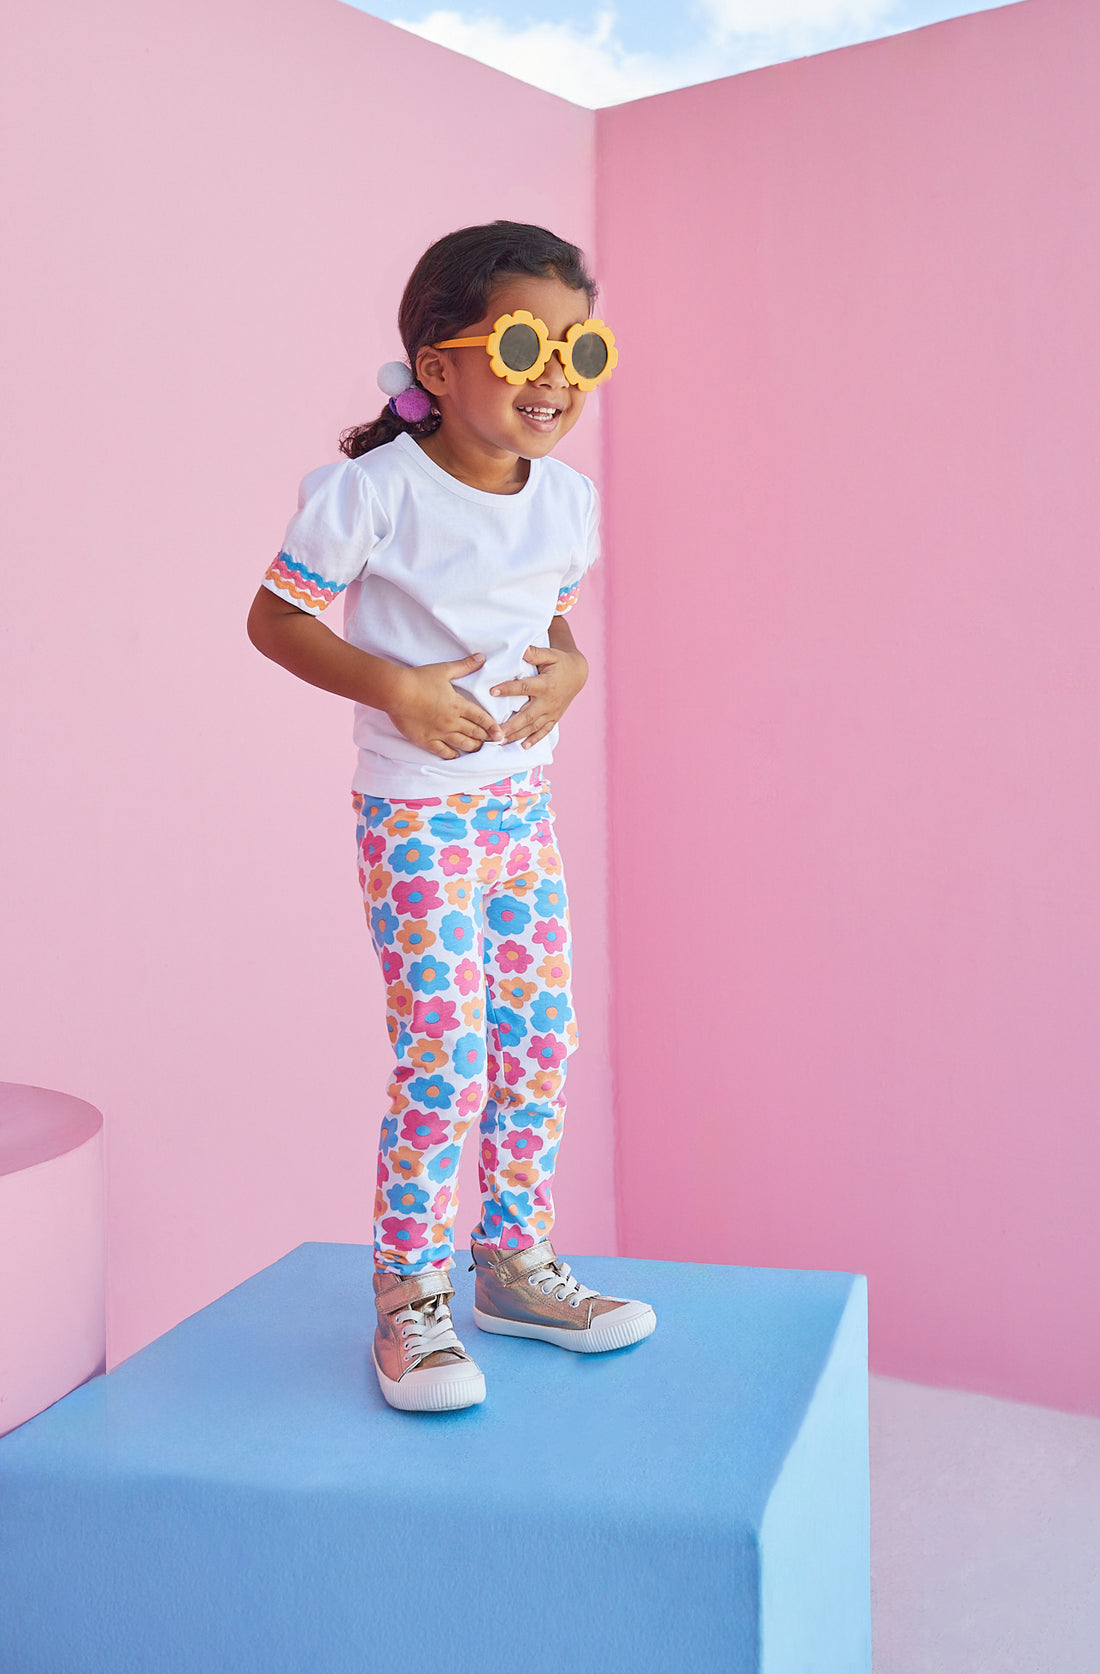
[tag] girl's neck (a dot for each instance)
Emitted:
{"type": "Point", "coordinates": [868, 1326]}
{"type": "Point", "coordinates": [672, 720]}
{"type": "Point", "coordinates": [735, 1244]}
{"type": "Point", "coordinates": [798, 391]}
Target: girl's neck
{"type": "Point", "coordinates": [493, 472]}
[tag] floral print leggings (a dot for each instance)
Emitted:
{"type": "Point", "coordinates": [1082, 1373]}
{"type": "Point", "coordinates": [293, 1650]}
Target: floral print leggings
{"type": "Point", "coordinates": [468, 914]}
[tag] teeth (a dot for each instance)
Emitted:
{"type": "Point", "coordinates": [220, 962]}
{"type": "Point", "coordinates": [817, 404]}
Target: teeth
{"type": "Point", "coordinates": [540, 412]}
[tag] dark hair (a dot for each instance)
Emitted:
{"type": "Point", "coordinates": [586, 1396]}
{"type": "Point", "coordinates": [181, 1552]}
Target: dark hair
{"type": "Point", "coordinates": [450, 288]}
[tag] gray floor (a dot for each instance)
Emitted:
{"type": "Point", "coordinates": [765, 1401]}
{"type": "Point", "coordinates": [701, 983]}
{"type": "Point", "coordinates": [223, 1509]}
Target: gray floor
{"type": "Point", "coordinates": [985, 1535]}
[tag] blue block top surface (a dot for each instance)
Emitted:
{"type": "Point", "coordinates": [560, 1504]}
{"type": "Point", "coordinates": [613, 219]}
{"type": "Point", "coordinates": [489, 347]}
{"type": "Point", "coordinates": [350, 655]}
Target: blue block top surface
{"type": "Point", "coordinates": [272, 1387]}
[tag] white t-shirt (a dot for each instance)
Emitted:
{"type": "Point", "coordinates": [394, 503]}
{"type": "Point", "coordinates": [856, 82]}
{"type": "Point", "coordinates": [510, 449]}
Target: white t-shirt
{"type": "Point", "coordinates": [432, 570]}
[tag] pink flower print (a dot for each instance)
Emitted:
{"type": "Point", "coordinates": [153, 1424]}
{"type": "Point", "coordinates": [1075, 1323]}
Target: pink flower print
{"type": "Point", "coordinates": [492, 1069]}
{"type": "Point", "coordinates": [362, 879]}
{"type": "Point", "coordinates": [549, 934]}
{"type": "Point", "coordinates": [470, 1100]}
{"type": "Point", "coordinates": [493, 842]}
{"type": "Point", "coordinates": [416, 896]}
{"type": "Point", "coordinates": [523, 1143]}
{"type": "Point", "coordinates": [420, 802]}
{"type": "Point", "coordinates": [441, 1202]}
{"type": "Point", "coordinates": [516, 993]}
{"type": "Point", "coordinates": [374, 847]}
{"type": "Point", "coordinates": [434, 1017]}
{"type": "Point", "coordinates": [513, 1069]}
{"type": "Point", "coordinates": [554, 970]}
{"type": "Point", "coordinates": [467, 976]}
{"type": "Point", "coordinates": [454, 858]}
{"type": "Point", "coordinates": [403, 1232]}
{"type": "Point", "coordinates": [513, 1239]}
{"type": "Point", "coordinates": [518, 860]}
{"type": "Point", "coordinates": [547, 1050]}
{"type": "Point", "coordinates": [404, 1072]}
{"type": "Point", "coordinates": [392, 964]}
{"type": "Point", "coordinates": [378, 882]}
{"type": "Point", "coordinates": [423, 1129]}
{"type": "Point", "coordinates": [488, 1155]}
{"type": "Point", "coordinates": [513, 956]}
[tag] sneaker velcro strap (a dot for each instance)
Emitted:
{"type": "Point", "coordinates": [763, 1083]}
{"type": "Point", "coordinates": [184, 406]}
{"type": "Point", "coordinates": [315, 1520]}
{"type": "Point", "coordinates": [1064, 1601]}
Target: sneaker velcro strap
{"type": "Point", "coordinates": [509, 1268]}
{"type": "Point", "coordinates": [398, 1290]}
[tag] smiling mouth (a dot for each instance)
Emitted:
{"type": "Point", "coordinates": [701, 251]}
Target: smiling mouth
{"type": "Point", "coordinates": [540, 412]}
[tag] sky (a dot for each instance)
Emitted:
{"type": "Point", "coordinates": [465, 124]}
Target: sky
{"type": "Point", "coordinates": [600, 54]}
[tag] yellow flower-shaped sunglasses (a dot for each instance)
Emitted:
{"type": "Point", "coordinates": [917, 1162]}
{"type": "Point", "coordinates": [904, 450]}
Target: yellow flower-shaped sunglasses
{"type": "Point", "coordinates": [519, 347]}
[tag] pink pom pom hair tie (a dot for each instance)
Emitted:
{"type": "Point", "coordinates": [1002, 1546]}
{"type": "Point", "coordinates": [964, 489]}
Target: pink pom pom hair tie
{"type": "Point", "coordinates": [407, 399]}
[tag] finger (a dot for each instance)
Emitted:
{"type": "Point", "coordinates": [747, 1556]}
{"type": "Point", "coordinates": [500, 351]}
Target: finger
{"type": "Point", "coordinates": [464, 665]}
{"type": "Point", "coordinates": [527, 721]}
{"type": "Point", "coordinates": [537, 737]}
{"type": "Point", "coordinates": [464, 745]}
{"type": "Point", "coordinates": [540, 654]}
{"type": "Point", "coordinates": [517, 688]}
{"type": "Point", "coordinates": [473, 714]}
{"type": "Point", "coordinates": [444, 751]}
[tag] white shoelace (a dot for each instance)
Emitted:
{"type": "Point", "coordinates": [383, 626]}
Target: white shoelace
{"type": "Point", "coordinates": [557, 1280]}
{"type": "Point", "coordinates": [425, 1328]}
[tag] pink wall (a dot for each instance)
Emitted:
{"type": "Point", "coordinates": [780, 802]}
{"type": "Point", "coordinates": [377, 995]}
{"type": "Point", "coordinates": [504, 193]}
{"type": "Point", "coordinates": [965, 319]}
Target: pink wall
{"type": "Point", "coordinates": [855, 683]}
{"type": "Point", "coordinates": [219, 207]}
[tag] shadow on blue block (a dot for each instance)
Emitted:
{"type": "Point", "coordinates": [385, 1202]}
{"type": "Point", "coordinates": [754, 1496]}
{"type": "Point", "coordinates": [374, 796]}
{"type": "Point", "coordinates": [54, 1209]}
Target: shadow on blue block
{"type": "Point", "coordinates": [238, 1499]}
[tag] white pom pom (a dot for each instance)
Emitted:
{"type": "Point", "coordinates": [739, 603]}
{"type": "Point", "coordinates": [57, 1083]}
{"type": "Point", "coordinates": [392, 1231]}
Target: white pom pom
{"type": "Point", "coordinates": [394, 377]}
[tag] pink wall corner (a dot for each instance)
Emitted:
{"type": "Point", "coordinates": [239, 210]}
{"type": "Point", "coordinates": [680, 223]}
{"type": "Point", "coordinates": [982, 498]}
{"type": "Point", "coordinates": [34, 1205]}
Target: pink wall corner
{"type": "Point", "coordinates": [855, 683]}
{"type": "Point", "coordinates": [213, 228]}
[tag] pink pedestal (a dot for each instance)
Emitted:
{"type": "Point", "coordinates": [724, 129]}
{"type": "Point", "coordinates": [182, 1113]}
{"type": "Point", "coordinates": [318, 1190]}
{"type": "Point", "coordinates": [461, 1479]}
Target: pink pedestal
{"type": "Point", "coordinates": [52, 1314]}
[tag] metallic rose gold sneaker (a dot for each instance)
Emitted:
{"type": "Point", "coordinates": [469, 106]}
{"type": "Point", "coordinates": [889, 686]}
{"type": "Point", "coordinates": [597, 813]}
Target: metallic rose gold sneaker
{"type": "Point", "coordinates": [532, 1293]}
{"type": "Point", "coordinates": [421, 1365]}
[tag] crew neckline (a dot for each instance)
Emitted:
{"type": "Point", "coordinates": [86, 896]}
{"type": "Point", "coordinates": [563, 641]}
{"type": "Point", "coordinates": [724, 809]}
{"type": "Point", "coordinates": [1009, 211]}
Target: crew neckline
{"type": "Point", "coordinates": [465, 489]}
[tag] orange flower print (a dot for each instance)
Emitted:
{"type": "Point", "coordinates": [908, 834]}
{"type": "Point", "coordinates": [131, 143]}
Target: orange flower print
{"type": "Point", "coordinates": [459, 1128]}
{"type": "Point", "coordinates": [488, 869]}
{"type": "Point", "coordinates": [515, 992]}
{"type": "Point", "coordinates": [440, 1232]}
{"type": "Point", "coordinates": [464, 802]}
{"type": "Point", "coordinates": [378, 882]}
{"type": "Point", "coordinates": [554, 971]}
{"type": "Point", "coordinates": [380, 1204]}
{"type": "Point", "coordinates": [399, 1001]}
{"type": "Point", "coordinates": [403, 822]}
{"type": "Point", "coordinates": [521, 1176]}
{"type": "Point", "coordinates": [428, 1055]}
{"type": "Point", "coordinates": [406, 1163]}
{"type": "Point", "coordinates": [552, 1128]}
{"type": "Point", "coordinates": [550, 860]}
{"type": "Point", "coordinates": [473, 1011]}
{"type": "Point", "coordinates": [544, 1084]}
{"type": "Point", "coordinates": [459, 891]}
{"type": "Point", "coordinates": [415, 937]}
{"type": "Point", "coordinates": [541, 1223]}
{"type": "Point", "coordinates": [523, 885]}
{"type": "Point", "coordinates": [398, 1102]}
{"type": "Point", "coordinates": [571, 1032]}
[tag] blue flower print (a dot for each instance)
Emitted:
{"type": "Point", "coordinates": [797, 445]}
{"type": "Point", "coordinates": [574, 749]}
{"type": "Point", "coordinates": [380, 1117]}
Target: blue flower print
{"type": "Point", "coordinates": [551, 1011]}
{"type": "Point", "coordinates": [550, 898]}
{"type": "Point", "coordinates": [374, 810]}
{"type": "Point", "coordinates": [487, 818]}
{"type": "Point", "coordinates": [509, 1026]}
{"type": "Point", "coordinates": [469, 1055]}
{"type": "Point", "coordinates": [445, 1164]}
{"type": "Point", "coordinates": [411, 857]}
{"type": "Point", "coordinates": [507, 915]}
{"type": "Point", "coordinates": [491, 1221]}
{"type": "Point", "coordinates": [432, 1091]}
{"type": "Point", "coordinates": [517, 1207]}
{"type": "Point", "coordinates": [388, 1137]}
{"type": "Point", "coordinates": [407, 1198]}
{"type": "Point", "coordinates": [457, 933]}
{"type": "Point", "coordinates": [430, 976]}
{"type": "Point", "coordinates": [383, 924]}
{"type": "Point", "coordinates": [448, 827]}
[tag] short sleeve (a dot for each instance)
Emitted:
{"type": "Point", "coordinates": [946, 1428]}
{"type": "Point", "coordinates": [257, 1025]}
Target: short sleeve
{"type": "Point", "coordinates": [582, 563]}
{"type": "Point", "coordinates": [329, 539]}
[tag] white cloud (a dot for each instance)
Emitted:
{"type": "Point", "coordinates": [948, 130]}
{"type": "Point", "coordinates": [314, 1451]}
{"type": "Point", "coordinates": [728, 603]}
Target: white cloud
{"type": "Point", "coordinates": [791, 24]}
{"type": "Point", "coordinates": [590, 67]}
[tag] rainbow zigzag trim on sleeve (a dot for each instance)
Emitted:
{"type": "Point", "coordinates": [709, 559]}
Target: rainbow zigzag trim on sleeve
{"type": "Point", "coordinates": [303, 587]}
{"type": "Point", "coordinates": [567, 598]}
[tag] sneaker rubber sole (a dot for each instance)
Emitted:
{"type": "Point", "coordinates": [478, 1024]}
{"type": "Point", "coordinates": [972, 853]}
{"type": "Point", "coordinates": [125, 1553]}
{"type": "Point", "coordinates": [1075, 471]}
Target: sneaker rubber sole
{"type": "Point", "coordinates": [625, 1325]}
{"type": "Point", "coordinates": [438, 1394]}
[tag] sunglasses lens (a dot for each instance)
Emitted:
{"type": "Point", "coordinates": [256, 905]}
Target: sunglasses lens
{"type": "Point", "coordinates": [519, 348]}
{"type": "Point", "coordinates": [589, 354]}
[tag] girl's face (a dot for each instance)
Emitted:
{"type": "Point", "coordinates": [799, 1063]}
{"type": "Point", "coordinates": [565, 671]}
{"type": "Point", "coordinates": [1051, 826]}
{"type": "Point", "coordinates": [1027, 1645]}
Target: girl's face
{"type": "Point", "coordinates": [487, 412]}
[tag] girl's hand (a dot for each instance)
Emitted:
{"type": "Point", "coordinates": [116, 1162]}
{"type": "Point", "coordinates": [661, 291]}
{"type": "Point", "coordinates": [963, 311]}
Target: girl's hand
{"type": "Point", "coordinates": [549, 693]}
{"type": "Point", "coordinates": [428, 710]}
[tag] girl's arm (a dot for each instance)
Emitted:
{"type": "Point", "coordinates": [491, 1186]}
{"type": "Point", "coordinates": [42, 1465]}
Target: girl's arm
{"type": "Point", "coordinates": [421, 702]}
{"type": "Point", "coordinates": [562, 672]}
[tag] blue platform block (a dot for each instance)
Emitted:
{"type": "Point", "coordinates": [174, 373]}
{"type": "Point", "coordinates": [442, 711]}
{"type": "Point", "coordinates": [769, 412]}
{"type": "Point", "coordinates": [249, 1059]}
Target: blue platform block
{"type": "Point", "coordinates": [237, 1499]}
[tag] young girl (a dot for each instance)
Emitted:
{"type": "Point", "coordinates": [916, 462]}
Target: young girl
{"type": "Point", "coordinates": [460, 545]}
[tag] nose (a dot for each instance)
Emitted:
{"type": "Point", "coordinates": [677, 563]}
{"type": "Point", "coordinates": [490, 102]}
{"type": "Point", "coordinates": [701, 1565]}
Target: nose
{"type": "Point", "coordinates": [553, 373]}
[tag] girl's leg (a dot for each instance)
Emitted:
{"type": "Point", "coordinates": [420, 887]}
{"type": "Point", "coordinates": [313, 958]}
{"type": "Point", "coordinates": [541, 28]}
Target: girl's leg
{"type": "Point", "coordinates": [423, 906]}
{"type": "Point", "coordinates": [532, 1031]}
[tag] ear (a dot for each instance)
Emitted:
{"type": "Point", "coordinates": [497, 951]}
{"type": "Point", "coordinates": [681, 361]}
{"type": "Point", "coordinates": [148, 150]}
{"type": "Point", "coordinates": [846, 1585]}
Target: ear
{"type": "Point", "coordinates": [432, 370]}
